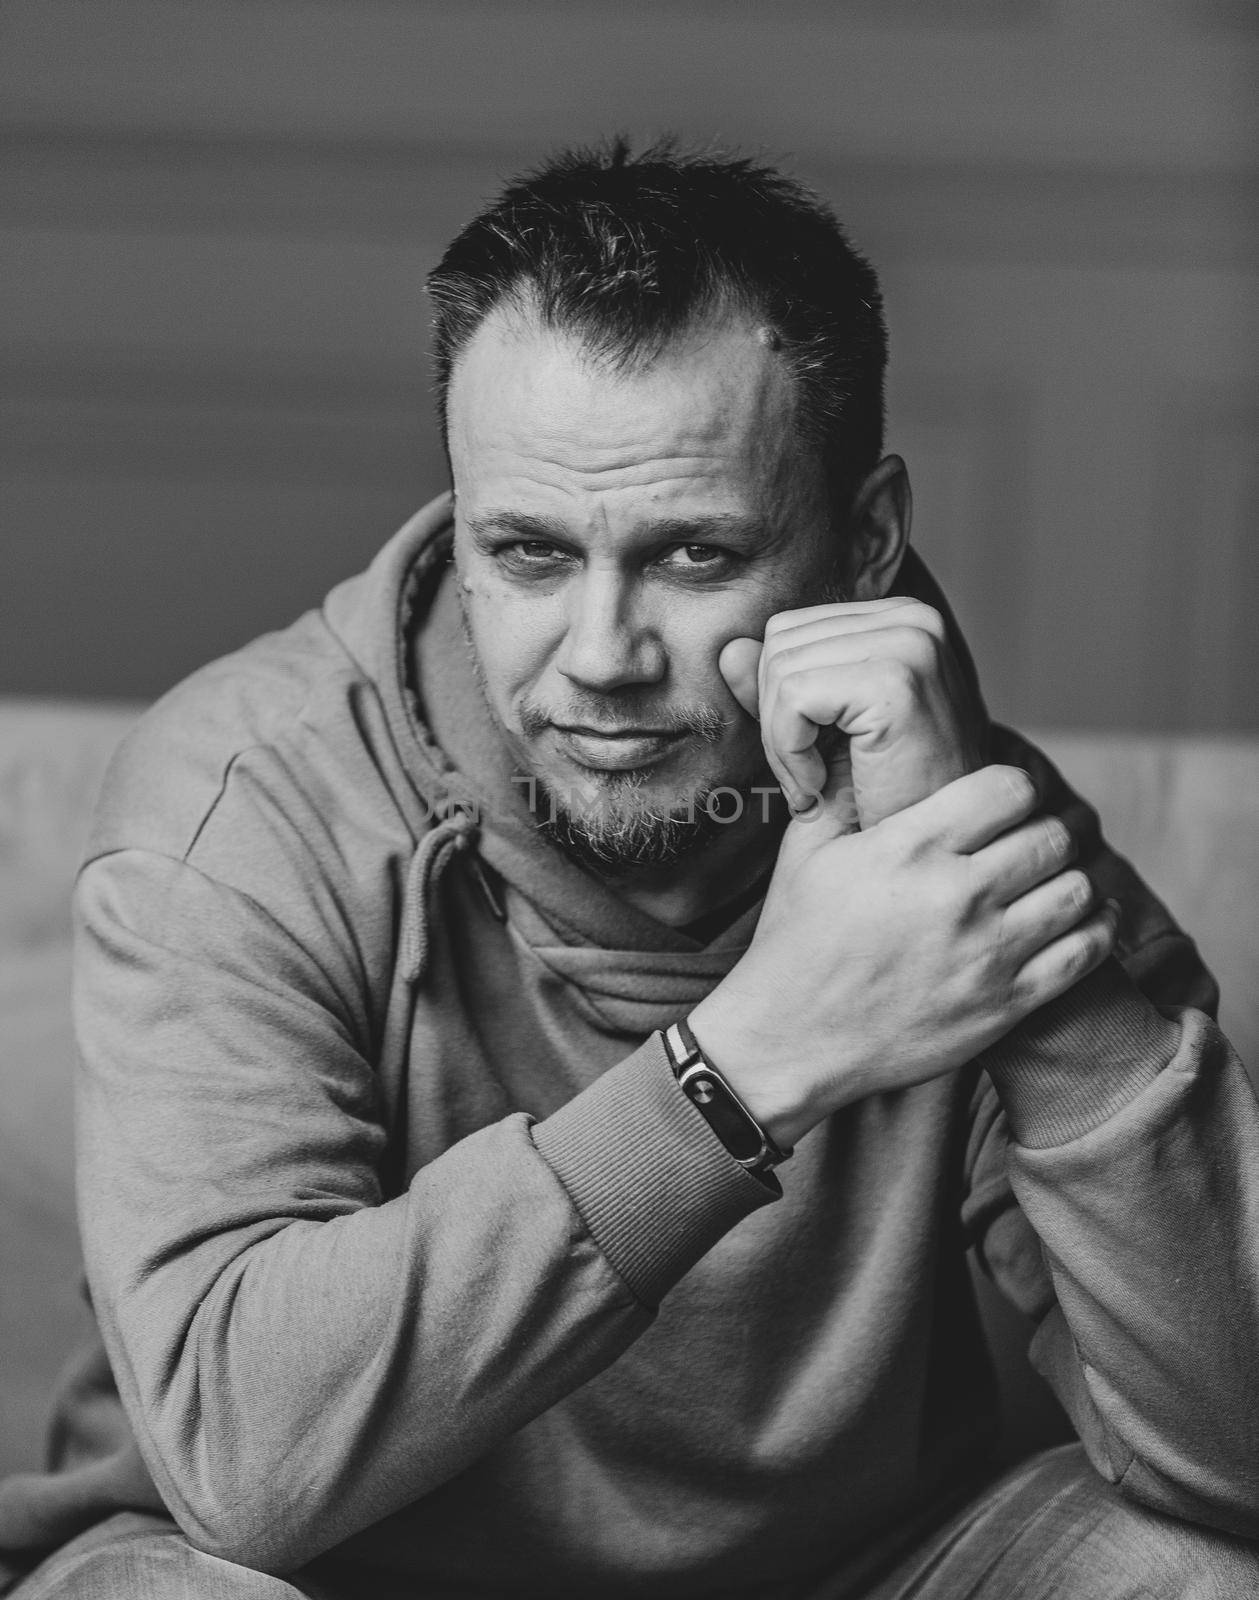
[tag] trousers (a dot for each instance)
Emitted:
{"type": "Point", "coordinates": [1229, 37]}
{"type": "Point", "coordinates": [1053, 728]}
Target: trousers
{"type": "Point", "coordinates": [1050, 1528]}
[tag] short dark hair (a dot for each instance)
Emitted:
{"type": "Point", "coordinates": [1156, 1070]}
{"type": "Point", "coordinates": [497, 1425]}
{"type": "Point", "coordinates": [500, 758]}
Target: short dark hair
{"type": "Point", "coordinates": [626, 251]}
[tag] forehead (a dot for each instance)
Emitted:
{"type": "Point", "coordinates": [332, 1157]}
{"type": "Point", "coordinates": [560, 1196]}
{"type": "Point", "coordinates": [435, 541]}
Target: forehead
{"type": "Point", "coordinates": [534, 410]}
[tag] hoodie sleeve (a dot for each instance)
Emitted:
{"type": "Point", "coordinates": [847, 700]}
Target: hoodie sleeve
{"type": "Point", "coordinates": [1114, 1197]}
{"type": "Point", "coordinates": [300, 1355]}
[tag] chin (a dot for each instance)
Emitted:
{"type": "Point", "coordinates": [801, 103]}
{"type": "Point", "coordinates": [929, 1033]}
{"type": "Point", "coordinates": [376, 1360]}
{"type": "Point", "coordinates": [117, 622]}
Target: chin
{"type": "Point", "coordinates": [615, 823]}
{"type": "Point", "coordinates": [580, 790]}
{"type": "Point", "coordinates": [627, 827]}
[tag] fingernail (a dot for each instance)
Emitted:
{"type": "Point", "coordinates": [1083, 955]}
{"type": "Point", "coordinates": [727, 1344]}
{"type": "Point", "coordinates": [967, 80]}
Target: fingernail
{"type": "Point", "coordinates": [803, 802]}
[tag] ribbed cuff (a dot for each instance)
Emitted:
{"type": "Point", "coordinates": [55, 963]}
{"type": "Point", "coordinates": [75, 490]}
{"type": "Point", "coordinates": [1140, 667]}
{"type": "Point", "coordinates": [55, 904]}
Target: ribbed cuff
{"type": "Point", "coordinates": [1077, 1061]}
{"type": "Point", "coordinates": [652, 1183]}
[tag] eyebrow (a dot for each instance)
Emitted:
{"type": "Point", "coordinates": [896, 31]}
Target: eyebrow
{"type": "Point", "coordinates": [724, 525]}
{"type": "Point", "coordinates": [518, 524]}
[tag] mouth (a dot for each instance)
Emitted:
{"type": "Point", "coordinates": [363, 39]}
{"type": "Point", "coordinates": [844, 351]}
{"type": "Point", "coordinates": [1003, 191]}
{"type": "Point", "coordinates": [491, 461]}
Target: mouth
{"type": "Point", "coordinates": [618, 749]}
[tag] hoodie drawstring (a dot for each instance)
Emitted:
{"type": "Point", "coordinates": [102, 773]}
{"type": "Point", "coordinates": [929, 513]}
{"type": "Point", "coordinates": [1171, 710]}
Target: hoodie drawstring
{"type": "Point", "coordinates": [454, 833]}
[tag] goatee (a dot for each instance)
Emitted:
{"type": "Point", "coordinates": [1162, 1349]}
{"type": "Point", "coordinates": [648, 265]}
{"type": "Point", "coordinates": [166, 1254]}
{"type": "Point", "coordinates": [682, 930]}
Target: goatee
{"type": "Point", "coordinates": [624, 830]}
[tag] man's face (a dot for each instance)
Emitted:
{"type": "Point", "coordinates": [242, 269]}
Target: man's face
{"type": "Point", "coordinates": [612, 532]}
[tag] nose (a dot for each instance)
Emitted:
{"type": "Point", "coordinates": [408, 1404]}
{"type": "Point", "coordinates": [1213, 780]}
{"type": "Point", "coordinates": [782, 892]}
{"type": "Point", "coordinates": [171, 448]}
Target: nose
{"type": "Point", "coordinates": [608, 644]}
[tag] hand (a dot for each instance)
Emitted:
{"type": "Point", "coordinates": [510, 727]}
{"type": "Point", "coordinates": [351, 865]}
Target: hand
{"type": "Point", "coordinates": [888, 957]}
{"type": "Point", "coordinates": [883, 674]}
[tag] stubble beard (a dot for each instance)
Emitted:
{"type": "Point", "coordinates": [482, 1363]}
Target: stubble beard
{"type": "Point", "coordinates": [622, 827]}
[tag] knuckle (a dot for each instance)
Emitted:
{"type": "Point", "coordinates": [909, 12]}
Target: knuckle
{"type": "Point", "coordinates": [1013, 999]}
{"type": "Point", "coordinates": [1059, 840]}
{"type": "Point", "coordinates": [1016, 997]}
{"type": "Point", "coordinates": [953, 894]}
{"type": "Point", "coordinates": [927, 619]}
{"type": "Point", "coordinates": [792, 691]}
{"type": "Point", "coordinates": [1087, 950]}
{"type": "Point", "coordinates": [914, 850]}
{"type": "Point", "coordinates": [1078, 889]}
{"type": "Point", "coordinates": [900, 678]}
{"type": "Point", "coordinates": [933, 623]}
{"type": "Point", "coordinates": [919, 853]}
{"type": "Point", "coordinates": [1074, 960]}
{"type": "Point", "coordinates": [1016, 783]}
{"type": "Point", "coordinates": [922, 649]}
{"type": "Point", "coordinates": [778, 670]}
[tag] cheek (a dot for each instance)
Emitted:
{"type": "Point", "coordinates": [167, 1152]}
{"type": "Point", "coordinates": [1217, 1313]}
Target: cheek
{"type": "Point", "coordinates": [694, 639]}
{"type": "Point", "coordinates": [513, 640]}
{"type": "Point", "coordinates": [694, 672]}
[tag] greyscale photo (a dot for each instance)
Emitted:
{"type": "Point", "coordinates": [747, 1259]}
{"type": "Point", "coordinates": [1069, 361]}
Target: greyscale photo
{"type": "Point", "coordinates": [629, 801]}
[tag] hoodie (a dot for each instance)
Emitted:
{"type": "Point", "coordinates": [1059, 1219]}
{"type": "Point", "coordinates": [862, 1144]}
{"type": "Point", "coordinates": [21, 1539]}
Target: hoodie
{"type": "Point", "coordinates": [413, 1266]}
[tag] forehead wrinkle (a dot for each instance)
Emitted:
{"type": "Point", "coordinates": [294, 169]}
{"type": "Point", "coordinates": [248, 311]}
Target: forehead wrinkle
{"type": "Point", "coordinates": [568, 434]}
{"type": "Point", "coordinates": [622, 477]}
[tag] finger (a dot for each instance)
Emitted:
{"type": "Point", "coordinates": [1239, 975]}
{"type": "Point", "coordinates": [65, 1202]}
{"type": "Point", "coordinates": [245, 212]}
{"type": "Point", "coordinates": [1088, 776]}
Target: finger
{"type": "Point", "coordinates": [789, 740]}
{"type": "Point", "coordinates": [812, 648]}
{"type": "Point", "coordinates": [796, 708]}
{"type": "Point", "coordinates": [972, 811]}
{"type": "Point", "coordinates": [1061, 964]}
{"type": "Point", "coordinates": [1024, 857]}
{"type": "Point", "coordinates": [849, 617]}
{"type": "Point", "coordinates": [1046, 913]}
{"type": "Point", "coordinates": [739, 664]}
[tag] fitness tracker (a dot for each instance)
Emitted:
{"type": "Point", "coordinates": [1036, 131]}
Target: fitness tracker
{"type": "Point", "coordinates": [719, 1105]}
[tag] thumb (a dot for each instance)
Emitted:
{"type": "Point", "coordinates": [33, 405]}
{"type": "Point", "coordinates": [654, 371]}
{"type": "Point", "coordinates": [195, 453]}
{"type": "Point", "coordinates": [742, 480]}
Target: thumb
{"type": "Point", "coordinates": [738, 663]}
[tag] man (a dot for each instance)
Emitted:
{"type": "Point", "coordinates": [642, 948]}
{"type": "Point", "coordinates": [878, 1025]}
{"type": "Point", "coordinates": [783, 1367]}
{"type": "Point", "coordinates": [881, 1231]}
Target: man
{"type": "Point", "coordinates": [457, 967]}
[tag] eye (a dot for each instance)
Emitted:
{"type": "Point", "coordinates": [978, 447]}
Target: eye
{"type": "Point", "coordinates": [530, 556]}
{"type": "Point", "coordinates": [699, 559]}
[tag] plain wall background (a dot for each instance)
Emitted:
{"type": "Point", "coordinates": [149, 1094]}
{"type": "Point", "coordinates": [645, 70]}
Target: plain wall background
{"type": "Point", "coordinates": [217, 216]}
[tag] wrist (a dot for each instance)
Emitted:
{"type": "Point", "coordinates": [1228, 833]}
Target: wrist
{"type": "Point", "coordinates": [754, 1071]}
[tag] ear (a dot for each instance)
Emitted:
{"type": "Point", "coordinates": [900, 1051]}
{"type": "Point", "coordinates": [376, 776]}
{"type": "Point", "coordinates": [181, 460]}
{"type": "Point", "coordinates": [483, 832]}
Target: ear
{"type": "Point", "coordinates": [878, 531]}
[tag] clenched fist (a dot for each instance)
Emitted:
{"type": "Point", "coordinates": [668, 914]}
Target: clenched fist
{"type": "Point", "coordinates": [881, 673]}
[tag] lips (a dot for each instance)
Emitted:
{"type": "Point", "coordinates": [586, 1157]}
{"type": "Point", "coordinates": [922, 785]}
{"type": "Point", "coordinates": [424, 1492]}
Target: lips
{"type": "Point", "coordinates": [617, 750]}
